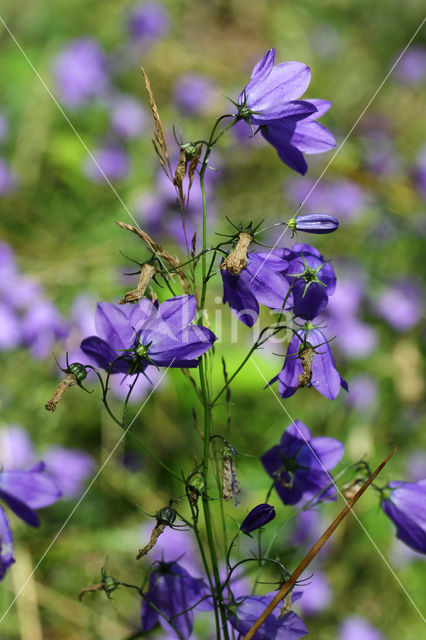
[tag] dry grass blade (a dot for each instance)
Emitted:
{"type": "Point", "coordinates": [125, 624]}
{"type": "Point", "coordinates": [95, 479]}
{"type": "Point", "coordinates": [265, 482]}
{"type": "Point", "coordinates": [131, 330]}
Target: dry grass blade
{"type": "Point", "coordinates": [159, 142]}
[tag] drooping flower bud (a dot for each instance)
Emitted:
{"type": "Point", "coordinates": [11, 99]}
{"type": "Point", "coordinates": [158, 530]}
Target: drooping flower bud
{"type": "Point", "coordinates": [258, 517]}
{"type": "Point", "coordinates": [314, 223]}
{"type": "Point", "coordinates": [236, 261]}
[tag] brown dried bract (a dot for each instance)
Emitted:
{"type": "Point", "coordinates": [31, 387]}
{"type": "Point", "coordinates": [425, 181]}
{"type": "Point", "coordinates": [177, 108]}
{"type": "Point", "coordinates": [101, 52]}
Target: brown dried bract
{"type": "Point", "coordinates": [306, 356]}
{"type": "Point", "coordinates": [286, 606]}
{"type": "Point", "coordinates": [148, 271]}
{"type": "Point", "coordinates": [236, 261]}
{"type": "Point", "coordinates": [93, 587]}
{"type": "Point", "coordinates": [158, 250]}
{"type": "Point", "coordinates": [68, 381]}
{"type": "Point", "coordinates": [230, 485]}
{"type": "Point", "coordinates": [155, 534]}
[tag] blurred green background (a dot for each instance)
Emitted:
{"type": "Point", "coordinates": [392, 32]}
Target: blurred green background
{"type": "Point", "coordinates": [61, 227]}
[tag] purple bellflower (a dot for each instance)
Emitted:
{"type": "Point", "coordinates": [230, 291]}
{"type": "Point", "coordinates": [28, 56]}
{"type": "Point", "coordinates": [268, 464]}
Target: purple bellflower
{"type": "Point", "coordinates": [110, 162]}
{"type": "Point", "coordinates": [148, 21]}
{"type": "Point", "coordinates": [193, 93]}
{"type": "Point", "coordinates": [80, 72]}
{"type": "Point", "coordinates": [315, 280]}
{"type": "Point", "coordinates": [317, 594]}
{"type": "Point", "coordinates": [261, 282]}
{"type": "Point", "coordinates": [357, 628]}
{"type": "Point", "coordinates": [405, 504]}
{"type": "Point", "coordinates": [258, 517]}
{"type": "Point", "coordinates": [300, 464]}
{"type": "Point", "coordinates": [317, 223]}
{"type": "Point", "coordinates": [23, 492]}
{"type": "Point", "coordinates": [173, 591]}
{"type": "Point", "coordinates": [270, 100]}
{"type": "Point", "coordinates": [128, 118]}
{"type": "Point", "coordinates": [288, 627]}
{"type": "Point", "coordinates": [309, 363]}
{"type": "Point", "coordinates": [146, 334]}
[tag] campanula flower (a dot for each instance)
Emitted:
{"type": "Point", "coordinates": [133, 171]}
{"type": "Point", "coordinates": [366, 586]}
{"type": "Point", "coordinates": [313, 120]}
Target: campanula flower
{"type": "Point", "coordinates": [405, 504]}
{"type": "Point", "coordinates": [148, 21]}
{"type": "Point", "coordinates": [260, 282]}
{"type": "Point", "coordinates": [292, 137]}
{"type": "Point", "coordinates": [23, 492]}
{"type": "Point", "coordinates": [355, 628]}
{"type": "Point", "coordinates": [173, 591]}
{"type": "Point", "coordinates": [258, 517]}
{"type": "Point", "coordinates": [318, 223]}
{"type": "Point", "coordinates": [313, 280]}
{"type": "Point", "coordinates": [300, 464]}
{"type": "Point", "coordinates": [249, 608]}
{"type": "Point", "coordinates": [146, 334]}
{"type": "Point", "coordinates": [193, 93]}
{"type": "Point", "coordinates": [309, 363]}
{"type": "Point", "coordinates": [128, 118]}
{"type": "Point", "coordinates": [110, 162]}
{"type": "Point", "coordinates": [273, 92]}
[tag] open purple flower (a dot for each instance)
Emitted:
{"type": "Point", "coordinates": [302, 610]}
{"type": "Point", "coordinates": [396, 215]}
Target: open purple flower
{"type": "Point", "coordinates": [273, 92]}
{"type": "Point", "coordinates": [173, 591]}
{"type": "Point", "coordinates": [288, 627]}
{"type": "Point", "coordinates": [146, 334]}
{"type": "Point", "coordinates": [405, 504]}
{"type": "Point", "coordinates": [23, 492]}
{"type": "Point", "coordinates": [261, 282]}
{"type": "Point", "coordinates": [313, 280]}
{"type": "Point", "coordinates": [258, 517]}
{"type": "Point", "coordinates": [300, 464]}
{"type": "Point", "coordinates": [292, 137]}
{"type": "Point", "coordinates": [309, 363]}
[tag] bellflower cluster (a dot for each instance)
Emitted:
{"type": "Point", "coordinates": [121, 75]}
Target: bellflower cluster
{"type": "Point", "coordinates": [271, 102]}
{"type": "Point", "coordinates": [300, 465]}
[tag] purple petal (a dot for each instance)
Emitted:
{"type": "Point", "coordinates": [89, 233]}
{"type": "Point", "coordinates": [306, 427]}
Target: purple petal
{"type": "Point", "coordinates": [241, 300]}
{"type": "Point", "coordinates": [312, 137]}
{"type": "Point", "coordinates": [113, 326]}
{"type": "Point", "coordinates": [264, 66]}
{"type": "Point", "coordinates": [103, 354]}
{"type": "Point", "coordinates": [6, 544]}
{"type": "Point", "coordinates": [325, 377]}
{"type": "Point", "coordinates": [329, 450]}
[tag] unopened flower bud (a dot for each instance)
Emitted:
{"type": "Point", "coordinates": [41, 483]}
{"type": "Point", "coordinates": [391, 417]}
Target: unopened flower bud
{"type": "Point", "coordinates": [314, 223]}
{"type": "Point", "coordinates": [166, 515]}
{"type": "Point", "coordinates": [258, 517]}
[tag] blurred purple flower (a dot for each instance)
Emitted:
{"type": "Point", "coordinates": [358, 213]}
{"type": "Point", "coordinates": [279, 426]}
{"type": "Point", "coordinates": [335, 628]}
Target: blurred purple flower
{"type": "Point", "coordinates": [249, 608]}
{"type": "Point", "coordinates": [363, 392]}
{"type": "Point", "coordinates": [322, 375]}
{"type": "Point", "coordinates": [405, 504]}
{"type": "Point", "coordinates": [342, 198]}
{"type": "Point", "coordinates": [110, 162]}
{"type": "Point", "coordinates": [80, 72]}
{"type": "Point", "coordinates": [411, 68]}
{"type": "Point", "coordinates": [416, 466]}
{"type": "Point", "coordinates": [356, 628]}
{"type": "Point", "coordinates": [317, 594]}
{"type": "Point", "coordinates": [193, 93]}
{"type": "Point", "coordinates": [10, 328]}
{"type": "Point", "coordinates": [309, 296]}
{"type": "Point", "coordinates": [23, 492]}
{"type": "Point", "coordinates": [261, 282]}
{"type": "Point", "coordinates": [173, 590]}
{"type": "Point", "coordinates": [151, 334]}
{"type": "Point", "coordinates": [69, 467]}
{"type": "Point", "coordinates": [420, 172]}
{"type": "Point", "coordinates": [16, 448]}
{"type": "Point", "coordinates": [300, 465]}
{"type": "Point", "coordinates": [42, 326]}
{"type": "Point", "coordinates": [148, 21]}
{"type": "Point", "coordinates": [128, 118]}
{"type": "Point", "coordinates": [8, 179]}
{"type": "Point", "coordinates": [400, 305]}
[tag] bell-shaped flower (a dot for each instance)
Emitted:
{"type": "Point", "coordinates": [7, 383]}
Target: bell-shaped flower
{"type": "Point", "coordinates": [260, 282]}
{"type": "Point", "coordinates": [294, 136]}
{"type": "Point", "coordinates": [405, 504]}
{"type": "Point", "coordinates": [275, 627]}
{"type": "Point", "coordinates": [131, 338]}
{"type": "Point", "coordinates": [174, 592]}
{"type": "Point", "coordinates": [313, 280]}
{"type": "Point", "coordinates": [300, 465]}
{"type": "Point", "coordinates": [23, 492]}
{"type": "Point", "coordinates": [317, 223]}
{"type": "Point", "coordinates": [309, 363]}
